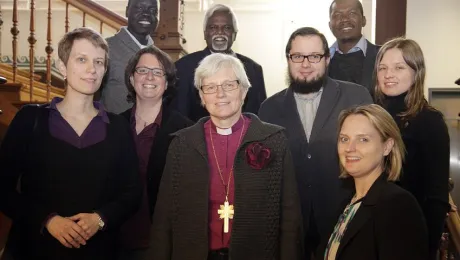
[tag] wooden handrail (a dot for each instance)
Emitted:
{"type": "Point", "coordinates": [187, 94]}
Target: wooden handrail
{"type": "Point", "coordinates": [99, 12]}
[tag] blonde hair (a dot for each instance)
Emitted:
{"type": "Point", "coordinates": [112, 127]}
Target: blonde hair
{"type": "Point", "coordinates": [413, 56]}
{"type": "Point", "coordinates": [382, 121]}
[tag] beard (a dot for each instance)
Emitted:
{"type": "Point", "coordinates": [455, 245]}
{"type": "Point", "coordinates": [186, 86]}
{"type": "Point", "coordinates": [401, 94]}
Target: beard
{"type": "Point", "coordinates": [217, 46]}
{"type": "Point", "coordinates": [303, 86]}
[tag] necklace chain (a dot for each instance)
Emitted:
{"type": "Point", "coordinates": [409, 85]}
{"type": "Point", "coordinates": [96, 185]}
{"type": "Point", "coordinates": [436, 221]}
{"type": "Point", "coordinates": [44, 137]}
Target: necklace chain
{"type": "Point", "coordinates": [217, 162]}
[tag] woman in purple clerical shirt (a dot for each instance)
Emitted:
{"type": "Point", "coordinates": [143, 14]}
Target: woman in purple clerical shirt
{"type": "Point", "coordinates": [75, 165]}
{"type": "Point", "coordinates": [150, 78]}
{"type": "Point", "coordinates": [228, 189]}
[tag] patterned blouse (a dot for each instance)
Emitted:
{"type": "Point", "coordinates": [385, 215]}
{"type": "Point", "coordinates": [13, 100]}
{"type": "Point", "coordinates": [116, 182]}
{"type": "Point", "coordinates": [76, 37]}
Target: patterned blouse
{"type": "Point", "coordinates": [340, 229]}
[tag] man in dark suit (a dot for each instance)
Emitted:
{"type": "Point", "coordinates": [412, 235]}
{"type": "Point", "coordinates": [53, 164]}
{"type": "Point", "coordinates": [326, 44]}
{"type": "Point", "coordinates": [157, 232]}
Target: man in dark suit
{"type": "Point", "coordinates": [352, 56]}
{"type": "Point", "coordinates": [220, 29]}
{"type": "Point", "coordinates": [309, 110]}
{"type": "Point", "coordinates": [142, 21]}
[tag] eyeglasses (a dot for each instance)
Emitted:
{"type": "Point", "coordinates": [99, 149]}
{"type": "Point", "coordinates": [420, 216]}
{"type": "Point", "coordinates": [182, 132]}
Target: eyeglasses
{"type": "Point", "coordinates": [299, 58]}
{"type": "Point", "coordinates": [155, 71]}
{"type": "Point", "coordinates": [226, 86]}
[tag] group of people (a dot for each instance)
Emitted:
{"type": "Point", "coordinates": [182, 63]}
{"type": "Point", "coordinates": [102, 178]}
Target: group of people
{"type": "Point", "coordinates": [348, 162]}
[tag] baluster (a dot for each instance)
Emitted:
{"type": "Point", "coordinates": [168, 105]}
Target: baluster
{"type": "Point", "coordinates": [14, 31]}
{"type": "Point", "coordinates": [84, 19]}
{"type": "Point", "coordinates": [31, 39]}
{"type": "Point", "coordinates": [100, 27]}
{"type": "Point", "coordinates": [49, 51]}
{"type": "Point", "coordinates": [1, 23]}
{"type": "Point", "coordinates": [67, 18]}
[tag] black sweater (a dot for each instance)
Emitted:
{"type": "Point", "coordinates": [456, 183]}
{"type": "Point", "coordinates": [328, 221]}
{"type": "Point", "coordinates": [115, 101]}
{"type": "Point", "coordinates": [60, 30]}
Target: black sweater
{"type": "Point", "coordinates": [426, 167]}
{"type": "Point", "coordinates": [56, 177]}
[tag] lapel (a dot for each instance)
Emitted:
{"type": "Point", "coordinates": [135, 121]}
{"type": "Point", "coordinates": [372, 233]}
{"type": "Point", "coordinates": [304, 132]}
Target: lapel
{"type": "Point", "coordinates": [291, 117]}
{"type": "Point", "coordinates": [368, 66]}
{"type": "Point", "coordinates": [331, 93]}
{"type": "Point", "coordinates": [126, 39]}
{"type": "Point", "coordinates": [364, 212]}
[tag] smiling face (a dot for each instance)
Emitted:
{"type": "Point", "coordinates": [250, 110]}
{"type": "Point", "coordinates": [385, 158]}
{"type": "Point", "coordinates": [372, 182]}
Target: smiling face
{"type": "Point", "coordinates": [346, 20]}
{"type": "Point", "coordinates": [148, 86]}
{"type": "Point", "coordinates": [219, 33]}
{"type": "Point", "coordinates": [223, 105]}
{"type": "Point", "coordinates": [142, 17]}
{"type": "Point", "coordinates": [360, 147]}
{"type": "Point", "coordinates": [394, 75]}
{"type": "Point", "coordinates": [85, 67]}
{"type": "Point", "coordinates": [307, 71]}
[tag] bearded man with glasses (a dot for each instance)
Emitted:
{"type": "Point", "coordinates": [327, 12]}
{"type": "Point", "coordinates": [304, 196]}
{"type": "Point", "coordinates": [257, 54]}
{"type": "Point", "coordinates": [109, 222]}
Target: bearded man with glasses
{"type": "Point", "coordinates": [309, 110]}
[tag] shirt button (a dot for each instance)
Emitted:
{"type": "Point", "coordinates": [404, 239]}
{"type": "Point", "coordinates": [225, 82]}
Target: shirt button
{"type": "Point", "coordinates": [309, 156]}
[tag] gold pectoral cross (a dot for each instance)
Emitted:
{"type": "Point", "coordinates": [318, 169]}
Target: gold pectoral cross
{"type": "Point", "coordinates": [226, 212]}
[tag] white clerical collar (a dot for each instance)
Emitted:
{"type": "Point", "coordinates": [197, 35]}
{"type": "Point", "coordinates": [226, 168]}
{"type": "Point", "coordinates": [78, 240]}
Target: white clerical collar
{"type": "Point", "coordinates": [224, 131]}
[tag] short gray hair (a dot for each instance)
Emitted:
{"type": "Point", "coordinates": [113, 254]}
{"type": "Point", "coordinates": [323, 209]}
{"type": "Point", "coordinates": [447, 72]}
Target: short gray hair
{"type": "Point", "coordinates": [211, 64]}
{"type": "Point", "coordinates": [220, 8]}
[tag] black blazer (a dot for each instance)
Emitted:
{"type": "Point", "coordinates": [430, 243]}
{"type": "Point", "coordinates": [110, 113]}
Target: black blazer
{"type": "Point", "coordinates": [171, 122]}
{"type": "Point", "coordinates": [389, 225]}
{"type": "Point", "coordinates": [188, 101]}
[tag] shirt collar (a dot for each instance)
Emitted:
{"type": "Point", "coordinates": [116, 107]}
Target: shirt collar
{"type": "Point", "coordinates": [149, 39]}
{"type": "Point", "coordinates": [360, 46]}
{"type": "Point", "coordinates": [237, 126]}
{"type": "Point", "coordinates": [97, 105]}
{"type": "Point", "coordinates": [157, 121]}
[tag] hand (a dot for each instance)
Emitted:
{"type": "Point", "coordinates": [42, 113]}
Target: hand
{"type": "Point", "coordinates": [89, 222]}
{"type": "Point", "coordinates": [67, 232]}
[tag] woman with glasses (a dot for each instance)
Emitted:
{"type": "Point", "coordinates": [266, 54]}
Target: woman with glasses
{"type": "Point", "coordinates": [228, 190]}
{"type": "Point", "coordinates": [150, 77]}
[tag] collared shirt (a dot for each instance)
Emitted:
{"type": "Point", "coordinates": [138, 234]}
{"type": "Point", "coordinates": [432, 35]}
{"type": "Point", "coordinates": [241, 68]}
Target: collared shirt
{"type": "Point", "coordinates": [94, 133]}
{"type": "Point", "coordinates": [149, 39]}
{"type": "Point", "coordinates": [360, 46]}
{"type": "Point", "coordinates": [135, 232]}
{"type": "Point", "coordinates": [225, 147]}
{"type": "Point", "coordinates": [307, 106]}
{"type": "Point", "coordinates": [230, 52]}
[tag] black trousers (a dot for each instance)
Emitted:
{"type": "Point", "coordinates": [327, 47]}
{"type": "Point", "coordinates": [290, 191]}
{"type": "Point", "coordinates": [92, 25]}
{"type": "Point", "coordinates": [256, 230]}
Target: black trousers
{"type": "Point", "coordinates": [221, 254]}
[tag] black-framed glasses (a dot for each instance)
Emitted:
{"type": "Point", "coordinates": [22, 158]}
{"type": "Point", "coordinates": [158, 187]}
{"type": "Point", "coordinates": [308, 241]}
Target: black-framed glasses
{"type": "Point", "coordinates": [299, 58]}
{"type": "Point", "coordinates": [155, 71]}
{"type": "Point", "coordinates": [226, 86]}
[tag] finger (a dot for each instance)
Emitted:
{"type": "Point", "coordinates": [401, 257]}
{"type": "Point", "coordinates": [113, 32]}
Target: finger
{"type": "Point", "coordinates": [77, 228]}
{"type": "Point", "coordinates": [64, 242]}
{"type": "Point", "coordinates": [77, 237]}
{"type": "Point", "coordinates": [70, 240]}
{"type": "Point", "coordinates": [76, 217]}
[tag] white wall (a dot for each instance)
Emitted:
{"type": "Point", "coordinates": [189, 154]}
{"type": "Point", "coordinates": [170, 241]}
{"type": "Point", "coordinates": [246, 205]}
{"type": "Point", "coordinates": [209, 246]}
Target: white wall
{"type": "Point", "coordinates": [264, 30]}
{"type": "Point", "coordinates": [435, 25]}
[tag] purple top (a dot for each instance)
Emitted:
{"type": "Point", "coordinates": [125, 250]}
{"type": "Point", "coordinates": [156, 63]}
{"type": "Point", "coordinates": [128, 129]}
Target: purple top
{"type": "Point", "coordinates": [135, 232]}
{"type": "Point", "coordinates": [94, 133]}
{"type": "Point", "coordinates": [226, 147]}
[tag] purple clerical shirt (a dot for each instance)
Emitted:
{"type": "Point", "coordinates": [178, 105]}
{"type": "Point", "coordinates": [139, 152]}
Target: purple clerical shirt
{"type": "Point", "coordinates": [135, 233]}
{"type": "Point", "coordinates": [94, 133]}
{"type": "Point", "coordinates": [225, 147]}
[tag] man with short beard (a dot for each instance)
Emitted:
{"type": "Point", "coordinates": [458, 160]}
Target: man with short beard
{"type": "Point", "coordinates": [143, 17]}
{"type": "Point", "coordinates": [309, 110]}
{"type": "Point", "coordinates": [220, 28]}
{"type": "Point", "coordinates": [352, 56]}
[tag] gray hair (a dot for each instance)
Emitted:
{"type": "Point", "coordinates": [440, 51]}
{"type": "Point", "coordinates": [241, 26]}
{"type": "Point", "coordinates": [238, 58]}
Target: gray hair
{"type": "Point", "coordinates": [211, 64]}
{"type": "Point", "coordinates": [220, 8]}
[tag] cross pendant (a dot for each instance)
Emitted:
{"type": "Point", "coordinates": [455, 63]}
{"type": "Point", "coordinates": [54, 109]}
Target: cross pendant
{"type": "Point", "coordinates": [226, 212]}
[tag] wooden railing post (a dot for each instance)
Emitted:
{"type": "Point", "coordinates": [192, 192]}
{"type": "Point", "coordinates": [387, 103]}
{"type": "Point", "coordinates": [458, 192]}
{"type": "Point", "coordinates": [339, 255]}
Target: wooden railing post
{"type": "Point", "coordinates": [14, 31]}
{"type": "Point", "coordinates": [31, 39]}
{"type": "Point", "coordinates": [66, 17]}
{"type": "Point", "coordinates": [49, 51]}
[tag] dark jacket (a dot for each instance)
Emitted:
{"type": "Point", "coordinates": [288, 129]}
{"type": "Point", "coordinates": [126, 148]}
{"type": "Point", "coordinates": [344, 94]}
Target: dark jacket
{"type": "Point", "coordinates": [57, 178]}
{"type": "Point", "coordinates": [316, 161]}
{"type": "Point", "coordinates": [188, 101]}
{"type": "Point", "coordinates": [171, 121]}
{"type": "Point", "coordinates": [388, 225]}
{"type": "Point", "coordinates": [267, 222]}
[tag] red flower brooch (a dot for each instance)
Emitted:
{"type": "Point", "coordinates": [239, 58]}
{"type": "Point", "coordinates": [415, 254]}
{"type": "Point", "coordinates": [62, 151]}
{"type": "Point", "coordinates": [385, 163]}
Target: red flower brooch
{"type": "Point", "coordinates": [258, 156]}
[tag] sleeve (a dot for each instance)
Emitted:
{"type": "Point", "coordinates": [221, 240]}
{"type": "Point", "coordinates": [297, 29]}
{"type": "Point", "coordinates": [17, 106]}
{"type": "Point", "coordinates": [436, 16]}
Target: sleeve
{"type": "Point", "coordinates": [129, 190]}
{"type": "Point", "coordinates": [291, 217]}
{"type": "Point", "coordinates": [14, 152]}
{"type": "Point", "coordinates": [257, 93]}
{"type": "Point", "coordinates": [161, 229]}
{"type": "Point", "coordinates": [400, 229]}
{"type": "Point", "coordinates": [435, 153]}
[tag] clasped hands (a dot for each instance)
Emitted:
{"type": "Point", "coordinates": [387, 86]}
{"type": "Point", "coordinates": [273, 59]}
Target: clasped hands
{"type": "Point", "coordinates": [74, 231]}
